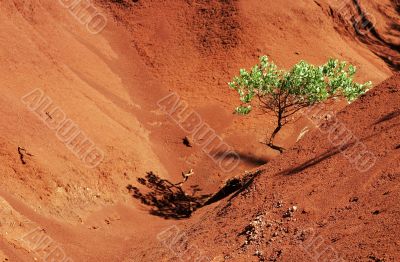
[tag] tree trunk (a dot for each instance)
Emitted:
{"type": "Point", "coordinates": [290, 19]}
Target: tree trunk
{"type": "Point", "coordinates": [277, 129]}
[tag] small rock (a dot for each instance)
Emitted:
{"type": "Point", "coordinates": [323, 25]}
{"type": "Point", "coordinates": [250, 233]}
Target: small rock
{"type": "Point", "coordinates": [186, 141]}
{"type": "Point", "coordinates": [376, 212]}
{"type": "Point", "coordinates": [279, 204]}
{"type": "Point", "coordinates": [258, 253]}
{"type": "Point", "coordinates": [376, 259]}
{"type": "Point", "coordinates": [353, 199]}
{"type": "Point", "coordinates": [287, 214]}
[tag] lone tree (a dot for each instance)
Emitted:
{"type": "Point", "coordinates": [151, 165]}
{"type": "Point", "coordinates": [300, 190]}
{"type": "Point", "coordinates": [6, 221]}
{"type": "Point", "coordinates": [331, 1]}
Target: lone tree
{"type": "Point", "coordinates": [284, 93]}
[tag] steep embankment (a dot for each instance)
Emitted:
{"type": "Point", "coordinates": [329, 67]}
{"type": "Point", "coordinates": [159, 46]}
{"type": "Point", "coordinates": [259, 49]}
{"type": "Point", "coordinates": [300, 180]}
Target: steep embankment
{"type": "Point", "coordinates": [108, 85]}
{"type": "Point", "coordinates": [195, 47]}
{"type": "Point", "coordinates": [373, 23]}
{"type": "Point", "coordinates": [332, 196]}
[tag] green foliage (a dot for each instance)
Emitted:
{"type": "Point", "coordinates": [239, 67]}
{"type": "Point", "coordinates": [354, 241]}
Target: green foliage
{"type": "Point", "coordinates": [286, 92]}
{"type": "Point", "coordinates": [302, 86]}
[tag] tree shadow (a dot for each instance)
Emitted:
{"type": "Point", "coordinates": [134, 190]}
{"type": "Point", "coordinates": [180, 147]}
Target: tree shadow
{"type": "Point", "coordinates": [312, 162]}
{"type": "Point", "coordinates": [248, 158]}
{"type": "Point", "coordinates": [342, 148]}
{"type": "Point", "coordinates": [166, 199]}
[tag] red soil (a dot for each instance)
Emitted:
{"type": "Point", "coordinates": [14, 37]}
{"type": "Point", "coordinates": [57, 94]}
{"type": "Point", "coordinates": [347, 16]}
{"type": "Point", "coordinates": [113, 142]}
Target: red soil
{"type": "Point", "coordinates": [109, 85]}
{"type": "Point", "coordinates": [351, 214]}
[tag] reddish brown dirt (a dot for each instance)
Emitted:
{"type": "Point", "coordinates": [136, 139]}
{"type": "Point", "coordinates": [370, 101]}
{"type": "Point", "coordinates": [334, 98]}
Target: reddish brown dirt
{"type": "Point", "coordinates": [351, 215]}
{"type": "Point", "coordinates": [109, 85]}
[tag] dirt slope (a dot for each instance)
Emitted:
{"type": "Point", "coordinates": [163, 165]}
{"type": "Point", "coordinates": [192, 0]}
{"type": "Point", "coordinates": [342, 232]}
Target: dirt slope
{"type": "Point", "coordinates": [195, 47]}
{"type": "Point", "coordinates": [345, 209]}
{"type": "Point", "coordinates": [43, 46]}
{"type": "Point", "coordinates": [108, 85]}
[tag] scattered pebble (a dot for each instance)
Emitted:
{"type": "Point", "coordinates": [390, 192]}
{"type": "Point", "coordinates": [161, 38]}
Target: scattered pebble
{"type": "Point", "coordinates": [353, 199]}
{"type": "Point", "coordinates": [279, 204]}
{"type": "Point", "coordinates": [376, 212]}
{"type": "Point", "coordinates": [289, 212]}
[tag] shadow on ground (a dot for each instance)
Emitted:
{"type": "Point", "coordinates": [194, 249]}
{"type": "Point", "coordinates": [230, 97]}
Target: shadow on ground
{"type": "Point", "coordinates": [247, 158]}
{"type": "Point", "coordinates": [166, 199]}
